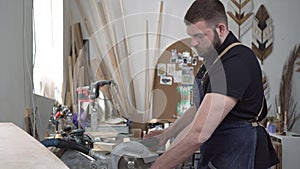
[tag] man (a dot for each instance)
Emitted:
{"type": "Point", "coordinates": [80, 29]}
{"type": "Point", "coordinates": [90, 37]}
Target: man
{"type": "Point", "coordinates": [225, 124]}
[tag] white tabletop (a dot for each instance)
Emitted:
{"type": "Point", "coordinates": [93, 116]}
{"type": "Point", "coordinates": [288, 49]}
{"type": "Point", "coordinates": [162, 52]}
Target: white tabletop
{"type": "Point", "coordinates": [18, 150]}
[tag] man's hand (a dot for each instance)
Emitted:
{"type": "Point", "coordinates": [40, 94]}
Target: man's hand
{"type": "Point", "coordinates": [153, 134]}
{"type": "Point", "coordinates": [160, 135]}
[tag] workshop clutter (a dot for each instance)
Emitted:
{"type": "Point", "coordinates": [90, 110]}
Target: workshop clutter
{"type": "Point", "coordinates": [93, 109]}
{"type": "Point", "coordinates": [105, 150]}
{"type": "Point", "coordinates": [61, 119]}
{"type": "Point", "coordinates": [83, 106]}
{"type": "Point", "coordinates": [103, 58]}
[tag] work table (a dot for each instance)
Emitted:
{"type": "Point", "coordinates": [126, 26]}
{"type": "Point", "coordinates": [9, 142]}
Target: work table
{"type": "Point", "coordinates": [20, 150]}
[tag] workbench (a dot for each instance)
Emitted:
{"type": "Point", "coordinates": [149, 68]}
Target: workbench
{"type": "Point", "coordinates": [289, 150]}
{"type": "Point", "coordinates": [20, 150]}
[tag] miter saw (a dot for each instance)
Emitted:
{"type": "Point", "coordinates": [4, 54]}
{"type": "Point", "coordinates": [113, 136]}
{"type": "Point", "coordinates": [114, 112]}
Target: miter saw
{"type": "Point", "coordinates": [127, 155]}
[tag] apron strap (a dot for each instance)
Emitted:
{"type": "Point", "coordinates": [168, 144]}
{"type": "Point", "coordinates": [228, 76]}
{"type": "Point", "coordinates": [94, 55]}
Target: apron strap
{"type": "Point", "coordinates": [226, 50]}
{"type": "Point", "coordinates": [229, 47]}
{"type": "Point", "coordinates": [256, 122]}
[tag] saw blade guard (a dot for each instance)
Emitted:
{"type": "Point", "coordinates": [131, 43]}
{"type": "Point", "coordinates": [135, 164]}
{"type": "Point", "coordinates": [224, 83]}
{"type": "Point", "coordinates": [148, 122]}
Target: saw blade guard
{"type": "Point", "coordinates": [131, 149]}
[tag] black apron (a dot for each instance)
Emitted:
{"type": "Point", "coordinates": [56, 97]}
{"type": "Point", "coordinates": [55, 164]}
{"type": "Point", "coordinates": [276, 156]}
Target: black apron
{"type": "Point", "coordinates": [238, 144]}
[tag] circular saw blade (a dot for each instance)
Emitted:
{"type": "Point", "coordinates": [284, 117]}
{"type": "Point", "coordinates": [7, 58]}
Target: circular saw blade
{"type": "Point", "coordinates": [129, 162]}
{"type": "Point", "coordinates": [131, 155]}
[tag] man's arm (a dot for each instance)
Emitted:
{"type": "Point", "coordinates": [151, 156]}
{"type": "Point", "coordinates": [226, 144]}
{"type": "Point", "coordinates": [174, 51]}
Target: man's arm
{"type": "Point", "coordinates": [211, 112]}
{"type": "Point", "coordinates": [181, 122]}
{"type": "Point", "coordinates": [164, 135]}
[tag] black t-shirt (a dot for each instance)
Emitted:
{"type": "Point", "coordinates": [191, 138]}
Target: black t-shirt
{"type": "Point", "coordinates": [238, 75]}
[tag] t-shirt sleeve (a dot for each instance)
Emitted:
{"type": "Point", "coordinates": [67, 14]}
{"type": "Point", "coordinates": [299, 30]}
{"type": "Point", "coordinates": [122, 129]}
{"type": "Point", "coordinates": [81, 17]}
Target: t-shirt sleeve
{"type": "Point", "coordinates": [231, 78]}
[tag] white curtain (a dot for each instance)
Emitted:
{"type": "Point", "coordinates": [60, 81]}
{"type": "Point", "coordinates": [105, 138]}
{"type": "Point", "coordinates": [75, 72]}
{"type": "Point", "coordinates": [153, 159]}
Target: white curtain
{"type": "Point", "coordinates": [48, 48]}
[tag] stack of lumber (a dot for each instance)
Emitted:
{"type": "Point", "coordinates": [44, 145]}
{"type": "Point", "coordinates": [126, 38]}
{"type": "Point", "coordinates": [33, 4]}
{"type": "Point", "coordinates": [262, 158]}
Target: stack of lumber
{"type": "Point", "coordinates": [108, 51]}
{"type": "Point", "coordinates": [109, 39]}
{"type": "Point", "coordinates": [78, 68]}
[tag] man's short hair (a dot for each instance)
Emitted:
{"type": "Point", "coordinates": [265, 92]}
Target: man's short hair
{"type": "Point", "coordinates": [210, 11]}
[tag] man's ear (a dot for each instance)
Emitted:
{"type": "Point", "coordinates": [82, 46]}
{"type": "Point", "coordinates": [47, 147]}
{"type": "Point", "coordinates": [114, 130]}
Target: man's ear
{"type": "Point", "coordinates": [221, 29]}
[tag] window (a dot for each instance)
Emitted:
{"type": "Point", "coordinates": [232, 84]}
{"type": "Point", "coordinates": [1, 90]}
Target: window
{"type": "Point", "coordinates": [48, 48]}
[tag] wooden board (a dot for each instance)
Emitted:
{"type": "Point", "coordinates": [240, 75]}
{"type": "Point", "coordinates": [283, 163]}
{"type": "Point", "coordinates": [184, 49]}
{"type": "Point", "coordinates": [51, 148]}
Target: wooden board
{"type": "Point", "coordinates": [102, 146]}
{"type": "Point", "coordinates": [19, 150]}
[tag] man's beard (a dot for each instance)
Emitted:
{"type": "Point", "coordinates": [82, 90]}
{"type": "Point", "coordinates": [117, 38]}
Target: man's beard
{"type": "Point", "coordinates": [212, 53]}
{"type": "Point", "coordinates": [217, 41]}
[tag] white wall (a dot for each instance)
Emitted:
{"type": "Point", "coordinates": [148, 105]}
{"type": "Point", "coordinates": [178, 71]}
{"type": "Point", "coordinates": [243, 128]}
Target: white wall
{"type": "Point", "coordinates": [285, 38]}
{"type": "Point", "coordinates": [16, 60]}
{"type": "Point", "coordinates": [138, 11]}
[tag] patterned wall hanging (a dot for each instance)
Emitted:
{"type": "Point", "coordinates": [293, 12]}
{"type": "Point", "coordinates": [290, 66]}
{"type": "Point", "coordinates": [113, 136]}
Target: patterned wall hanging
{"type": "Point", "coordinates": [262, 34]}
{"type": "Point", "coordinates": [241, 12]}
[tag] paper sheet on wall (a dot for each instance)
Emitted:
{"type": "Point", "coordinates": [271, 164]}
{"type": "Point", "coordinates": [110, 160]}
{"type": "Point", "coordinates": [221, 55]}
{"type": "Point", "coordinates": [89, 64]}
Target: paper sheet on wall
{"type": "Point", "coordinates": [171, 69]}
{"type": "Point", "coordinates": [161, 69]}
{"type": "Point", "coordinates": [177, 76]}
{"type": "Point", "coordinates": [165, 80]}
{"type": "Point", "coordinates": [187, 76]}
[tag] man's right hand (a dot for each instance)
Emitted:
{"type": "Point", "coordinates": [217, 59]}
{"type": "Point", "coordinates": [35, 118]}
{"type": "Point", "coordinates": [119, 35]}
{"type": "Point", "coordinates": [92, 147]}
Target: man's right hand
{"type": "Point", "coordinates": [153, 134]}
{"type": "Point", "coordinates": [160, 135]}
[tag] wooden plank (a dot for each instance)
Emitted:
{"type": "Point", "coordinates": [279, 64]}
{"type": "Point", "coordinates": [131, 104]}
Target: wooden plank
{"type": "Point", "coordinates": [110, 30]}
{"type": "Point", "coordinates": [86, 63]}
{"type": "Point", "coordinates": [156, 56]}
{"type": "Point", "coordinates": [68, 100]}
{"type": "Point", "coordinates": [113, 55]}
{"type": "Point", "coordinates": [105, 18]}
{"type": "Point", "coordinates": [103, 70]}
{"type": "Point", "coordinates": [127, 49]}
{"type": "Point", "coordinates": [72, 65]}
{"type": "Point", "coordinates": [127, 54]}
{"type": "Point", "coordinates": [158, 34]}
{"type": "Point", "coordinates": [117, 76]}
{"type": "Point", "coordinates": [131, 86]}
{"type": "Point", "coordinates": [28, 113]}
{"type": "Point", "coordinates": [65, 81]}
{"type": "Point", "coordinates": [64, 91]}
{"type": "Point", "coordinates": [102, 10]}
{"type": "Point", "coordinates": [71, 85]}
{"type": "Point", "coordinates": [20, 150]}
{"type": "Point", "coordinates": [87, 70]}
{"type": "Point", "coordinates": [98, 72]}
{"type": "Point", "coordinates": [73, 47]}
{"type": "Point", "coordinates": [103, 66]}
{"type": "Point", "coordinates": [102, 146]}
{"type": "Point", "coordinates": [147, 103]}
{"type": "Point", "coordinates": [78, 37]}
{"type": "Point", "coordinates": [99, 76]}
